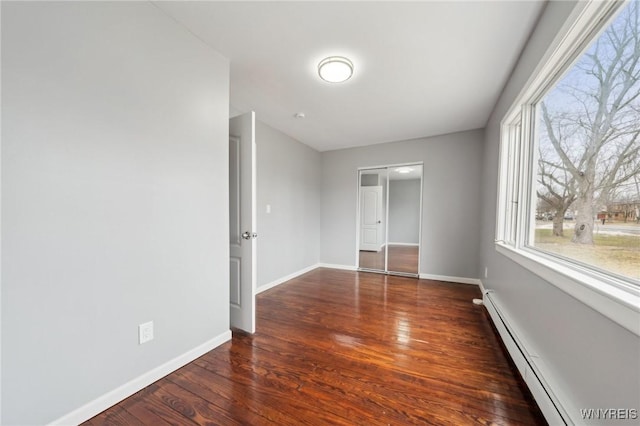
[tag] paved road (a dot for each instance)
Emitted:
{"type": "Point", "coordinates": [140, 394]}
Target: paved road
{"type": "Point", "coordinates": [619, 228]}
{"type": "Point", "coordinates": [609, 228]}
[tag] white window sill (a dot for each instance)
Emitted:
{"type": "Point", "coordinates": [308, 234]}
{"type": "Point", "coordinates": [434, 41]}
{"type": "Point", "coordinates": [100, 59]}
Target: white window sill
{"type": "Point", "coordinates": [620, 303]}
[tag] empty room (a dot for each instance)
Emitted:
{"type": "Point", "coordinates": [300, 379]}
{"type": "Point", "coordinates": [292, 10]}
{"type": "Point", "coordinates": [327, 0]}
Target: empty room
{"type": "Point", "coordinates": [320, 212]}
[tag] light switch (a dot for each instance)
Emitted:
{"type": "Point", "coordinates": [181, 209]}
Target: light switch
{"type": "Point", "coordinates": [268, 208]}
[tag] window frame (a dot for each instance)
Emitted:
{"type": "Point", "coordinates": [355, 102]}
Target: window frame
{"type": "Point", "coordinates": [613, 296]}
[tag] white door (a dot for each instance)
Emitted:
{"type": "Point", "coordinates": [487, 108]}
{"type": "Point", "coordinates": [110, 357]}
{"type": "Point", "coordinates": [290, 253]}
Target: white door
{"type": "Point", "coordinates": [371, 237]}
{"type": "Point", "coordinates": [242, 221]}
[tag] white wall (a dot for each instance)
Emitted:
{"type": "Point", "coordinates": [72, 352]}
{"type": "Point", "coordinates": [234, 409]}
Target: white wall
{"type": "Point", "coordinates": [289, 179]}
{"type": "Point", "coordinates": [114, 186]}
{"type": "Point", "coordinates": [591, 361]}
{"type": "Point", "coordinates": [450, 217]}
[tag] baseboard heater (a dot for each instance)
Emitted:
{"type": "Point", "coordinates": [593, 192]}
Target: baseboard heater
{"type": "Point", "coordinates": [549, 404]}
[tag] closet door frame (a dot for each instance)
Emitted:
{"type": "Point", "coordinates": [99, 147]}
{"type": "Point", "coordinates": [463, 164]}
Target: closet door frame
{"type": "Point", "coordinates": [387, 167]}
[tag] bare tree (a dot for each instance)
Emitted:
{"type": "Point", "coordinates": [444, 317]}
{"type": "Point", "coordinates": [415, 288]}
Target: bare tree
{"type": "Point", "coordinates": [593, 124]}
{"type": "Point", "coordinates": [556, 184]}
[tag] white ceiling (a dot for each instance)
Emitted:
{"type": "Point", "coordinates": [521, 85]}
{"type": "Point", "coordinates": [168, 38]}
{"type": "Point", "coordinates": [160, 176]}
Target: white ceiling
{"type": "Point", "coordinates": [421, 68]}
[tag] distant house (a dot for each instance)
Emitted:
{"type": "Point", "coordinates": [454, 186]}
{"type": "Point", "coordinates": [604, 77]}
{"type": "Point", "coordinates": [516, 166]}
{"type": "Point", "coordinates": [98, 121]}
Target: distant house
{"type": "Point", "coordinates": [623, 211]}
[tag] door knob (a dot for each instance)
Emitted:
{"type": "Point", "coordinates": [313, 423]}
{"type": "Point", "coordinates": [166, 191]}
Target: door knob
{"type": "Point", "coordinates": [249, 235]}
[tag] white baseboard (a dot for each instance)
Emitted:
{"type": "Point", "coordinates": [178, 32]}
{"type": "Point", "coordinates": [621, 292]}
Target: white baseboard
{"type": "Point", "coordinates": [405, 244]}
{"type": "Point", "coordinates": [335, 266]}
{"type": "Point", "coordinates": [296, 274]}
{"type": "Point", "coordinates": [552, 401]}
{"type": "Point", "coordinates": [460, 280]}
{"type": "Point", "coordinates": [111, 398]}
{"type": "Point", "coordinates": [285, 279]}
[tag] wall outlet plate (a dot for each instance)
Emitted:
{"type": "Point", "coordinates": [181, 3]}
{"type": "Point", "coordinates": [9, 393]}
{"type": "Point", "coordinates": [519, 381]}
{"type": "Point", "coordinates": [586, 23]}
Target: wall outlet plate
{"type": "Point", "coordinates": [145, 332]}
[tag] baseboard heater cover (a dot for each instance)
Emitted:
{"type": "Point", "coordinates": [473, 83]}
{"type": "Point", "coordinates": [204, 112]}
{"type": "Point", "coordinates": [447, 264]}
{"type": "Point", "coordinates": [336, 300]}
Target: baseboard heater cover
{"type": "Point", "coordinates": [549, 404]}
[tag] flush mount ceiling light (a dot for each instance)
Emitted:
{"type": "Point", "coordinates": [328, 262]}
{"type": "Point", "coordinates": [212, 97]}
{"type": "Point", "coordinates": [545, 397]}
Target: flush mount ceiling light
{"type": "Point", "coordinates": [335, 69]}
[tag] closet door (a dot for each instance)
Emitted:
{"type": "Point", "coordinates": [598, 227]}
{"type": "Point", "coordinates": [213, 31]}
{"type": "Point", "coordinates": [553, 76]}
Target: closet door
{"type": "Point", "coordinates": [404, 219]}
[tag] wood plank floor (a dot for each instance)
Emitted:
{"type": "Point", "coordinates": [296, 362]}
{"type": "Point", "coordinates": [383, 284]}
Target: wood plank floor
{"type": "Point", "coordinates": [347, 348]}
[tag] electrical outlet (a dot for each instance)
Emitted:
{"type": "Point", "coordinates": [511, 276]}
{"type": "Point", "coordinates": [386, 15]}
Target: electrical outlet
{"type": "Point", "coordinates": [145, 332]}
{"type": "Point", "coordinates": [486, 271]}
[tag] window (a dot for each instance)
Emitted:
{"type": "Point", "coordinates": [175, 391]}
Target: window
{"type": "Point", "coordinates": [510, 152]}
{"type": "Point", "coordinates": [569, 190]}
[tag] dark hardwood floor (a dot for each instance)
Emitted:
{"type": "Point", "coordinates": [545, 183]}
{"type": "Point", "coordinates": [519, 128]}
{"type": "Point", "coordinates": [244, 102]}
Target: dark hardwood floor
{"type": "Point", "coordinates": [401, 259]}
{"type": "Point", "coordinates": [347, 348]}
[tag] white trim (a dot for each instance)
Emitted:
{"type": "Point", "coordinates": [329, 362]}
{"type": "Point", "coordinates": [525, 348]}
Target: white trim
{"type": "Point", "coordinates": [579, 28]}
{"type": "Point", "coordinates": [459, 280]}
{"type": "Point", "coordinates": [254, 220]}
{"type": "Point", "coordinates": [386, 246]}
{"type": "Point", "coordinates": [619, 305]}
{"type": "Point", "coordinates": [386, 222]}
{"type": "Point", "coordinates": [421, 219]}
{"type": "Point", "coordinates": [336, 266]}
{"type": "Point", "coordinates": [482, 287]}
{"type": "Point", "coordinates": [445, 278]}
{"type": "Point", "coordinates": [111, 398]}
{"type": "Point", "coordinates": [388, 166]}
{"type": "Point", "coordinates": [405, 244]}
{"type": "Point", "coordinates": [282, 280]}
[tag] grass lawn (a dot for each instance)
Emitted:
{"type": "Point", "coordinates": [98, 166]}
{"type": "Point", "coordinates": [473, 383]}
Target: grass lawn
{"type": "Point", "coordinates": [616, 253]}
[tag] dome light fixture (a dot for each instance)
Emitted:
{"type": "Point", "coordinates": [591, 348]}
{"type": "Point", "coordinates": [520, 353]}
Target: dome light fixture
{"type": "Point", "coordinates": [335, 69]}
